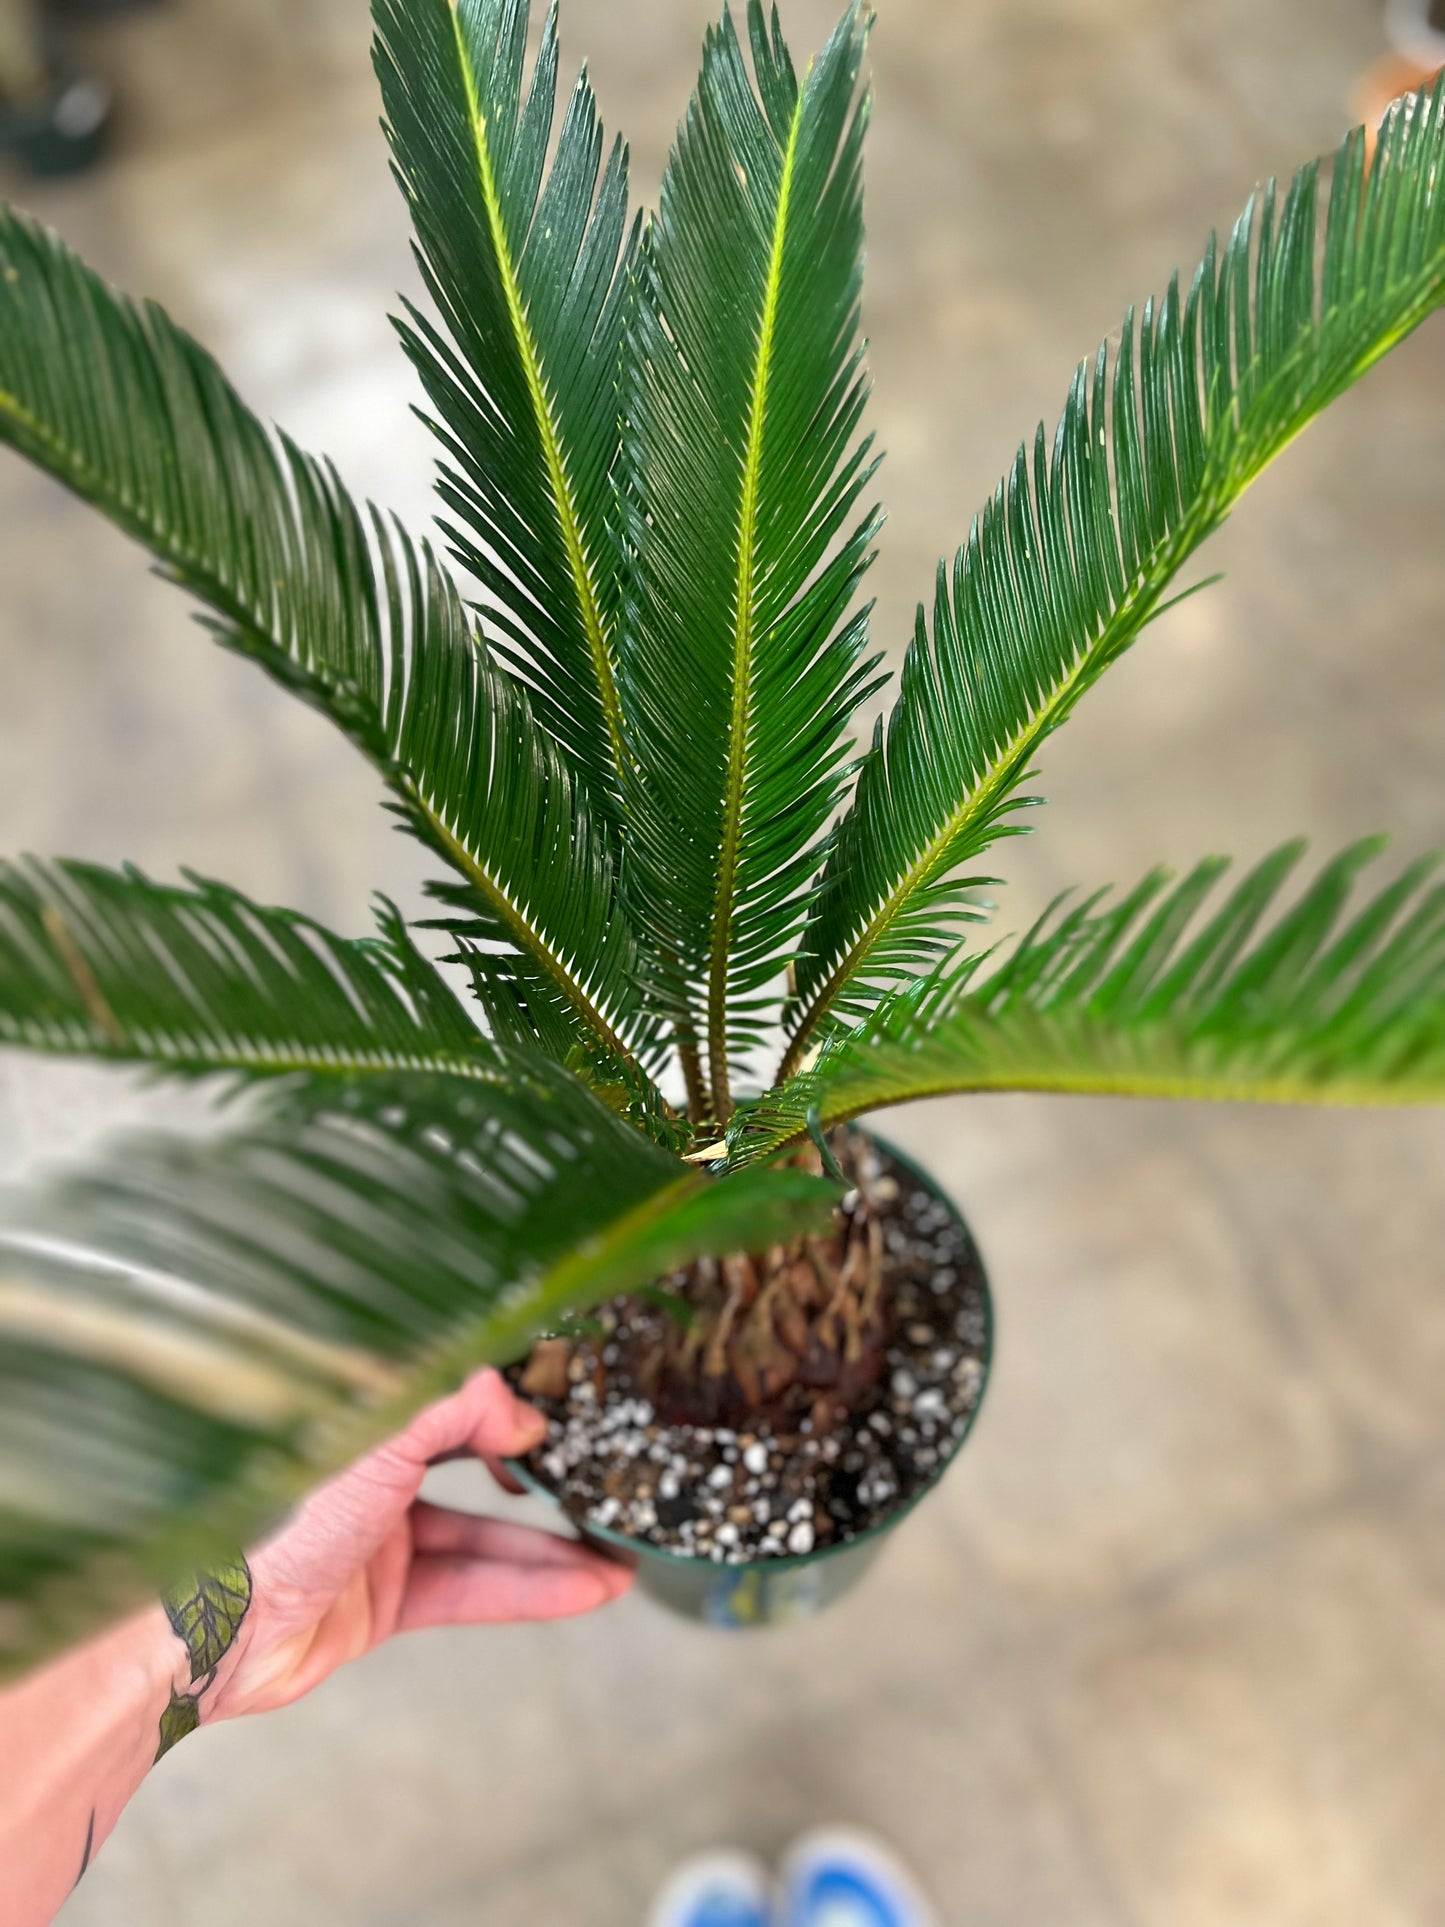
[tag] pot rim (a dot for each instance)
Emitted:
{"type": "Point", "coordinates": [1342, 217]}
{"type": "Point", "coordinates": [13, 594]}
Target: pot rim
{"type": "Point", "coordinates": [634, 1551]}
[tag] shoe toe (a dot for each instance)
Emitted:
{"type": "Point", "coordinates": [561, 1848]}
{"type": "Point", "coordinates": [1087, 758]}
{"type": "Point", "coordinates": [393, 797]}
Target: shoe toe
{"type": "Point", "coordinates": [842, 1878]}
{"type": "Point", "coordinates": [715, 1890]}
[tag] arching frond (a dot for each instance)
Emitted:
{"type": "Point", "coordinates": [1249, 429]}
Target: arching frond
{"type": "Point", "coordinates": [104, 963]}
{"type": "Point", "coordinates": [742, 662]}
{"type": "Point", "coordinates": [1072, 558]}
{"type": "Point", "coordinates": [1166, 993]}
{"type": "Point", "coordinates": [191, 1334]}
{"type": "Point", "coordinates": [526, 267]}
{"type": "Point", "coordinates": [334, 602]}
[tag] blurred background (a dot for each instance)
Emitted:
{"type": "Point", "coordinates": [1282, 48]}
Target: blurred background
{"type": "Point", "coordinates": [1169, 1648]}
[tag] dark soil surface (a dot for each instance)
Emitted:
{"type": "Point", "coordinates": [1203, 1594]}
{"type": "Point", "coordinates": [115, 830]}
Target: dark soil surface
{"type": "Point", "coordinates": [786, 1486]}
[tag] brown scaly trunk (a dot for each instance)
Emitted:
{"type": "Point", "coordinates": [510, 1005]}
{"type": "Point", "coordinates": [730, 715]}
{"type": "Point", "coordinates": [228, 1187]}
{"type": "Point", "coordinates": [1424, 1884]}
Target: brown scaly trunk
{"type": "Point", "coordinates": [799, 1328]}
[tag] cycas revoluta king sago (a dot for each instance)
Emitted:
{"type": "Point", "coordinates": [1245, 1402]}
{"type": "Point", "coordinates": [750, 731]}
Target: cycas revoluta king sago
{"type": "Point", "coordinates": [684, 927]}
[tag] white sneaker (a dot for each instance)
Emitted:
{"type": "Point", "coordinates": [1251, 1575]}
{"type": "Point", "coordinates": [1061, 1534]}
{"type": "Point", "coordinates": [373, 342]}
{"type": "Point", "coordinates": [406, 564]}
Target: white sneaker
{"type": "Point", "coordinates": [840, 1878]}
{"type": "Point", "coordinates": [715, 1890]}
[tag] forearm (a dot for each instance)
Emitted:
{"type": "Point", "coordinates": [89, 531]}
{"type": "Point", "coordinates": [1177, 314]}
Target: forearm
{"type": "Point", "coordinates": [362, 1559]}
{"type": "Point", "coordinates": [76, 1740]}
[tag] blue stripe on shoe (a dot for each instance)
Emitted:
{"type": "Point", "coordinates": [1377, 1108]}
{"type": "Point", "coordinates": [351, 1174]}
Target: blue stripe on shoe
{"type": "Point", "coordinates": [723, 1908]}
{"type": "Point", "coordinates": [845, 1897]}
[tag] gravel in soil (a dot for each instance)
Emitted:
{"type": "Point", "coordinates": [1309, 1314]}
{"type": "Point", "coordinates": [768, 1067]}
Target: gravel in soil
{"type": "Point", "coordinates": [783, 1488]}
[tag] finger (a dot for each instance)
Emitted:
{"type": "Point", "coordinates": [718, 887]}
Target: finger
{"type": "Point", "coordinates": [485, 1417]}
{"type": "Point", "coordinates": [448, 1591]}
{"type": "Point", "coordinates": [438, 1529]}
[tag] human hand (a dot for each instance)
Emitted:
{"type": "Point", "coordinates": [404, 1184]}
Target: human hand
{"type": "Point", "coordinates": [364, 1558]}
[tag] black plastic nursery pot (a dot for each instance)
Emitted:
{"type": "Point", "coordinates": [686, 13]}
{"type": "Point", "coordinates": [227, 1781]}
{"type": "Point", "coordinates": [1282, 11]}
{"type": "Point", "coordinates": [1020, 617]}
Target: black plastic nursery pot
{"type": "Point", "coordinates": [783, 1588]}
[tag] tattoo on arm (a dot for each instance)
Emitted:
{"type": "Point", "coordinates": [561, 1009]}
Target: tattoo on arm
{"type": "Point", "coordinates": [206, 1615]}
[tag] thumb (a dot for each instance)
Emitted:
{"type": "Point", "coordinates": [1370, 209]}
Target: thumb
{"type": "Point", "coordinates": [485, 1417]}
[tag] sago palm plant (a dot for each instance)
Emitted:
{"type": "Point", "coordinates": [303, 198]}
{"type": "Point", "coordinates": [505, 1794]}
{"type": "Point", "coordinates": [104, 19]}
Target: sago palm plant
{"type": "Point", "coordinates": [623, 733]}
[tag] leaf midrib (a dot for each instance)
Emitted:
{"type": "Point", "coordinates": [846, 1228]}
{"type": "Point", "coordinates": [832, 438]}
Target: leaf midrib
{"type": "Point", "coordinates": [559, 481]}
{"type": "Point", "coordinates": [518, 927]}
{"type": "Point", "coordinates": [744, 639]}
{"type": "Point", "coordinates": [152, 1045]}
{"type": "Point", "coordinates": [1237, 1089]}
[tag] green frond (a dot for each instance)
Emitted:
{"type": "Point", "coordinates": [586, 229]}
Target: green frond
{"type": "Point", "coordinates": [527, 270]}
{"type": "Point", "coordinates": [193, 1333]}
{"type": "Point", "coordinates": [522, 1011]}
{"type": "Point", "coordinates": [539, 892]}
{"type": "Point", "coordinates": [1073, 556]}
{"type": "Point", "coordinates": [1166, 994]}
{"type": "Point", "coordinates": [334, 602]}
{"type": "Point", "coordinates": [742, 473]}
{"type": "Point", "coordinates": [195, 980]}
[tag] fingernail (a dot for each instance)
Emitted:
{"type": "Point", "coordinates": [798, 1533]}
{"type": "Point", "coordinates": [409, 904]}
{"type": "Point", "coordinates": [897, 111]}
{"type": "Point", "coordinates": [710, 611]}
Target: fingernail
{"type": "Point", "coordinates": [617, 1579]}
{"type": "Point", "coordinates": [531, 1426]}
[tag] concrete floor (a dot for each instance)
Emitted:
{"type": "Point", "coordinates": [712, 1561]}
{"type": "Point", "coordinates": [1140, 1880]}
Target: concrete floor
{"type": "Point", "coordinates": [1169, 1649]}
